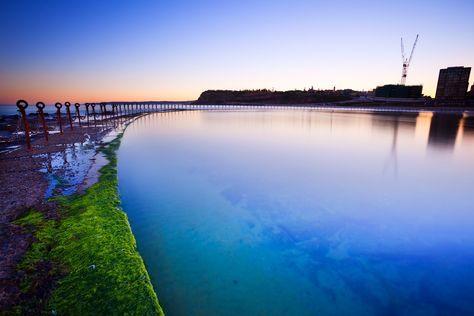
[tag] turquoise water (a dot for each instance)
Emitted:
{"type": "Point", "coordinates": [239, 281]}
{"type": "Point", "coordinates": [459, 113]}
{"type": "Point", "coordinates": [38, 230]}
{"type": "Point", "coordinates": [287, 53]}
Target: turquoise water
{"type": "Point", "coordinates": [298, 212]}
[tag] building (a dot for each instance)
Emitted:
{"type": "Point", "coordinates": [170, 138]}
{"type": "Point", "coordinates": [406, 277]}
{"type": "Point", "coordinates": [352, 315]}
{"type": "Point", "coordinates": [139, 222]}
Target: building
{"type": "Point", "coordinates": [471, 93]}
{"type": "Point", "coordinates": [452, 84]}
{"type": "Point", "coordinates": [398, 91]}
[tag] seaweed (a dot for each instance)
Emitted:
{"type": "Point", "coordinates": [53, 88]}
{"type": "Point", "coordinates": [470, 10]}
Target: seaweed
{"type": "Point", "coordinates": [95, 262]}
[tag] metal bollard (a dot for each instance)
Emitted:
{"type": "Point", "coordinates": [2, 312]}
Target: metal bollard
{"type": "Point", "coordinates": [22, 105]}
{"type": "Point", "coordinates": [58, 116]}
{"type": "Point", "coordinates": [78, 112]}
{"type": "Point", "coordinates": [40, 106]}
{"type": "Point", "coordinates": [68, 111]}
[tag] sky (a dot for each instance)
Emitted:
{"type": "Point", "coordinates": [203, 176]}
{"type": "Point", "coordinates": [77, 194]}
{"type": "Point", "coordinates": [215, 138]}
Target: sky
{"type": "Point", "coordinates": [173, 50]}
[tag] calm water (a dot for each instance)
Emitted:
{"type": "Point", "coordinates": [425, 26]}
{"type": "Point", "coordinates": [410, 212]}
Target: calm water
{"type": "Point", "coordinates": [303, 212]}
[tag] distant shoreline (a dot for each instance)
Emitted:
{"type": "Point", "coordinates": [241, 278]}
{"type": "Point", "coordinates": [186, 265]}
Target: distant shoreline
{"type": "Point", "coordinates": [407, 106]}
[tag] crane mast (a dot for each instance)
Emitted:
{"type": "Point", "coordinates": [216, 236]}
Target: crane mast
{"type": "Point", "coordinates": [406, 61]}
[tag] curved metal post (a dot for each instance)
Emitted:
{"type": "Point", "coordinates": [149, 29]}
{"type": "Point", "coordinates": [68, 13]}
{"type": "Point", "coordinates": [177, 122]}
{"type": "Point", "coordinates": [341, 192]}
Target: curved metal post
{"type": "Point", "coordinates": [68, 111]}
{"type": "Point", "coordinates": [103, 109]}
{"type": "Point", "coordinates": [78, 113]}
{"type": "Point", "coordinates": [87, 113]}
{"type": "Point", "coordinates": [58, 116]}
{"type": "Point", "coordinates": [22, 105]}
{"type": "Point", "coordinates": [40, 106]}
{"type": "Point", "coordinates": [93, 113]}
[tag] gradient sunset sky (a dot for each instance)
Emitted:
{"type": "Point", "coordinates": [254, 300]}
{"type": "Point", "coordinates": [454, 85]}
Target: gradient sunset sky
{"type": "Point", "coordinates": [173, 50]}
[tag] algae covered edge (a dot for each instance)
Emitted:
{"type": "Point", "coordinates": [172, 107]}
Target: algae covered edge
{"type": "Point", "coordinates": [92, 247]}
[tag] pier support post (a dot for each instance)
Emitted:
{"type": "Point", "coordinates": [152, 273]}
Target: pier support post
{"type": "Point", "coordinates": [103, 109]}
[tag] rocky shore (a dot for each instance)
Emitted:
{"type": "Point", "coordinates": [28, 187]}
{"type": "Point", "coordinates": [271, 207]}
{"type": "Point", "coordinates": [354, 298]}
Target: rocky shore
{"type": "Point", "coordinates": [38, 192]}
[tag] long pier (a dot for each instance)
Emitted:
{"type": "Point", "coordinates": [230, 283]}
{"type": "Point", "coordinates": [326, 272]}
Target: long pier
{"type": "Point", "coordinates": [95, 114]}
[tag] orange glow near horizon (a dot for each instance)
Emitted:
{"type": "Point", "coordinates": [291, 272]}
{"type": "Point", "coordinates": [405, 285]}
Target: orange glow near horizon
{"type": "Point", "coordinates": [54, 88]}
{"type": "Point", "coordinates": [50, 90]}
{"type": "Point", "coordinates": [50, 97]}
{"type": "Point", "coordinates": [173, 51]}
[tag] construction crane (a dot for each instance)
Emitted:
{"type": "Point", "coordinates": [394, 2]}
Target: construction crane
{"type": "Point", "coordinates": [406, 61]}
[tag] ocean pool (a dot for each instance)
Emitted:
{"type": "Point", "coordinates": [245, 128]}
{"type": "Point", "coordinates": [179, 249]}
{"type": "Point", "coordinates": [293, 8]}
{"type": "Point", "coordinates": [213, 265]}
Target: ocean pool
{"type": "Point", "coordinates": [302, 212]}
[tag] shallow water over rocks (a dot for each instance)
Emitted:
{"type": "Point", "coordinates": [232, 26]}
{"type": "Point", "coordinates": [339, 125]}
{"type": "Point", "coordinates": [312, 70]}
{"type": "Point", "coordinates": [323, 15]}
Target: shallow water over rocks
{"type": "Point", "coordinates": [301, 212]}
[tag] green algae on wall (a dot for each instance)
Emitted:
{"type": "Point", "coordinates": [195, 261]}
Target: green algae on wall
{"type": "Point", "coordinates": [93, 249]}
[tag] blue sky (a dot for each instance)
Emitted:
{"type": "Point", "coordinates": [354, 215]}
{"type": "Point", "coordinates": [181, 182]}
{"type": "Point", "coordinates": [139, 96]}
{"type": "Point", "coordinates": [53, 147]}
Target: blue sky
{"type": "Point", "coordinates": [173, 50]}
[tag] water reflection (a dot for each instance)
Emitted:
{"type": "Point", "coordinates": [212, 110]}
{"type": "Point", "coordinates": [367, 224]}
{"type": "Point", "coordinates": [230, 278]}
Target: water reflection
{"type": "Point", "coordinates": [392, 157]}
{"type": "Point", "coordinates": [444, 130]}
{"type": "Point", "coordinates": [301, 212]}
{"type": "Point", "coordinates": [435, 130]}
